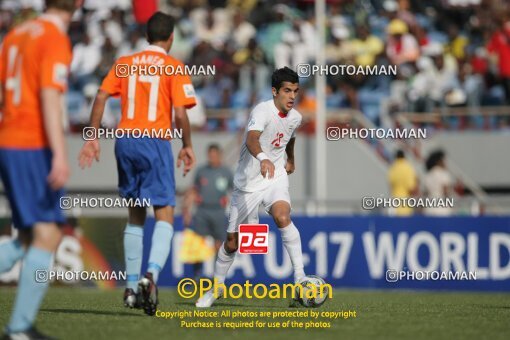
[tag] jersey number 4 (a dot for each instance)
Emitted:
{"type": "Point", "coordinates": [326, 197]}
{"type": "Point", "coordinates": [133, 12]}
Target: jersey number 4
{"type": "Point", "coordinates": [13, 81]}
{"type": "Point", "coordinates": [153, 95]}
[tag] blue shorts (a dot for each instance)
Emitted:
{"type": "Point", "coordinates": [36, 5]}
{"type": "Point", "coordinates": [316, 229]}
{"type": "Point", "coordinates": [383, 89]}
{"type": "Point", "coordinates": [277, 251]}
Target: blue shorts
{"type": "Point", "coordinates": [146, 170]}
{"type": "Point", "coordinates": [24, 174]}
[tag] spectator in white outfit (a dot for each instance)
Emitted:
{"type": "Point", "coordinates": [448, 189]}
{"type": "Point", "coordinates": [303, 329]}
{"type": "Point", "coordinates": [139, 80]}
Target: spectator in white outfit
{"type": "Point", "coordinates": [438, 183]}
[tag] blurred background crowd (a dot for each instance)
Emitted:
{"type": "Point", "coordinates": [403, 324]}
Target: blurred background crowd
{"type": "Point", "coordinates": [449, 53]}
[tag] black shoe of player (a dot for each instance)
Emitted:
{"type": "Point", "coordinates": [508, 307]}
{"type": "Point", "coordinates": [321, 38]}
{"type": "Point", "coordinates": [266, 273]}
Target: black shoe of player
{"type": "Point", "coordinates": [132, 299]}
{"type": "Point", "coordinates": [30, 334]}
{"type": "Point", "coordinates": [149, 293]}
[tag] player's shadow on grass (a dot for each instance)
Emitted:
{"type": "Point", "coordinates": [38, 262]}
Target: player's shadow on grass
{"type": "Point", "coordinates": [222, 304]}
{"type": "Point", "coordinates": [192, 304]}
{"type": "Point", "coordinates": [87, 311]}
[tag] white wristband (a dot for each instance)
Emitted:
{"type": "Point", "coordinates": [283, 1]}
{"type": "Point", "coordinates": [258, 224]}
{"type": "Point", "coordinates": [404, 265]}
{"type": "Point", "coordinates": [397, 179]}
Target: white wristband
{"type": "Point", "coordinates": [261, 156]}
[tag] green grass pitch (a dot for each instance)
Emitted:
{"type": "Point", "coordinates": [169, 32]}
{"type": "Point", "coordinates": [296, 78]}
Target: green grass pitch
{"type": "Point", "coordinates": [79, 313]}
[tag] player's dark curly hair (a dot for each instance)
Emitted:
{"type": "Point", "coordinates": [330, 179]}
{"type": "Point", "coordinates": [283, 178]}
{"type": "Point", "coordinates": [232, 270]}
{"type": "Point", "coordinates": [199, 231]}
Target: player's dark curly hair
{"type": "Point", "coordinates": [434, 159]}
{"type": "Point", "coordinates": [159, 27]}
{"type": "Point", "coordinates": [283, 74]}
{"type": "Point", "coordinates": [66, 5]}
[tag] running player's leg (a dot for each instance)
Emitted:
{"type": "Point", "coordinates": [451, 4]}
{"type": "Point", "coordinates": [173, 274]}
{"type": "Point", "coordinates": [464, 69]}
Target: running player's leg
{"type": "Point", "coordinates": [161, 240]}
{"type": "Point", "coordinates": [146, 172]}
{"type": "Point", "coordinates": [10, 253]}
{"type": "Point", "coordinates": [224, 260]}
{"type": "Point", "coordinates": [291, 238]}
{"type": "Point", "coordinates": [133, 254]}
{"type": "Point", "coordinates": [13, 250]}
{"type": "Point", "coordinates": [24, 174]}
{"type": "Point", "coordinates": [30, 294]}
{"type": "Point", "coordinates": [129, 173]}
{"type": "Point", "coordinates": [277, 203]}
{"type": "Point", "coordinates": [159, 185]}
{"type": "Point", "coordinates": [226, 256]}
{"type": "Point", "coordinates": [243, 209]}
{"type": "Point", "coordinates": [160, 249]}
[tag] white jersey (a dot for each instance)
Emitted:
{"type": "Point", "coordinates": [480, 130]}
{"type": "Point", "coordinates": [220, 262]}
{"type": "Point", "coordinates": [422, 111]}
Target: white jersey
{"type": "Point", "coordinates": [277, 130]}
{"type": "Point", "coordinates": [435, 181]}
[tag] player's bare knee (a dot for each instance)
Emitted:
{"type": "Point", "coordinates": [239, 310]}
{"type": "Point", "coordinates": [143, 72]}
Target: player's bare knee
{"type": "Point", "coordinates": [282, 220]}
{"type": "Point", "coordinates": [137, 215]}
{"type": "Point", "coordinates": [47, 237]}
{"type": "Point", "coordinates": [231, 244]}
{"type": "Point", "coordinates": [54, 240]}
{"type": "Point", "coordinates": [164, 213]}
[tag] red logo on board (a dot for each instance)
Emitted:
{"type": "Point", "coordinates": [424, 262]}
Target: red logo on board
{"type": "Point", "coordinates": [253, 238]}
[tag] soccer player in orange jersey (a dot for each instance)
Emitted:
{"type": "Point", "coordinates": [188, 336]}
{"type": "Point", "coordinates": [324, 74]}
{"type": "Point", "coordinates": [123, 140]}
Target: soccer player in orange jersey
{"type": "Point", "coordinates": [145, 165]}
{"type": "Point", "coordinates": [34, 64]}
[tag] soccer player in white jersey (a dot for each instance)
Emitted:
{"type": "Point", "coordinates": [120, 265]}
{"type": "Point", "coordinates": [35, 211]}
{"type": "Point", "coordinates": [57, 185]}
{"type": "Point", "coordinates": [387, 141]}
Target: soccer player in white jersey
{"type": "Point", "coordinates": [267, 158]}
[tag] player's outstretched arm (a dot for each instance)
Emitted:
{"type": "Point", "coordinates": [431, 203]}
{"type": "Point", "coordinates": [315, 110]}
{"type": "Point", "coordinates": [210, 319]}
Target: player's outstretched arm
{"type": "Point", "coordinates": [289, 150]}
{"type": "Point", "coordinates": [186, 155]}
{"type": "Point", "coordinates": [253, 145]}
{"type": "Point", "coordinates": [90, 149]}
{"type": "Point", "coordinates": [51, 100]}
{"type": "Point", "coordinates": [96, 116]}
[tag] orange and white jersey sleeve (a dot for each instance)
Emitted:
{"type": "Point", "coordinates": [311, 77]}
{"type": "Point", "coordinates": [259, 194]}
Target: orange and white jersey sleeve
{"type": "Point", "coordinates": [55, 63]}
{"type": "Point", "coordinates": [112, 83]}
{"type": "Point", "coordinates": [183, 92]}
{"type": "Point", "coordinates": [2, 64]}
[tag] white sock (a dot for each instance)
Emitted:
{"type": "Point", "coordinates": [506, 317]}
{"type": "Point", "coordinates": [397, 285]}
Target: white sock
{"type": "Point", "coordinates": [292, 242]}
{"type": "Point", "coordinates": [223, 263]}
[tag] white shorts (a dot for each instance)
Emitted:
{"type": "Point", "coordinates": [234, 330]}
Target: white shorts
{"type": "Point", "coordinates": [244, 206]}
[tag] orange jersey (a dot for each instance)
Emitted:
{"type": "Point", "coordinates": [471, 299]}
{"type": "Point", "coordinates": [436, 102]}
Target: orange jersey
{"type": "Point", "coordinates": [147, 99]}
{"type": "Point", "coordinates": [35, 55]}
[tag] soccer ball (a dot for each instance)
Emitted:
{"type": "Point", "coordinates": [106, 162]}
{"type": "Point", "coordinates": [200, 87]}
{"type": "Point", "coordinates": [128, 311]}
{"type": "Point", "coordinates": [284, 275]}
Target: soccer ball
{"type": "Point", "coordinates": [313, 291]}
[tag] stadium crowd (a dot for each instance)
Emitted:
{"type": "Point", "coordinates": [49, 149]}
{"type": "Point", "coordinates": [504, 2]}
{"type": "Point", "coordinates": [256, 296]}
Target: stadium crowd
{"type": "Point", "coordinates": [449, 53]}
